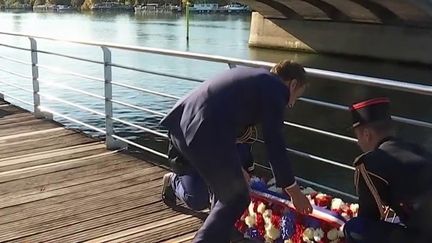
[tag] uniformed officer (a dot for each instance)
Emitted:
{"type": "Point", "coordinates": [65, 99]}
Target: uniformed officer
{"type": "Point", "coordinates": [391, 174]}
{"type": "Point", "coordinates": [203, 126]}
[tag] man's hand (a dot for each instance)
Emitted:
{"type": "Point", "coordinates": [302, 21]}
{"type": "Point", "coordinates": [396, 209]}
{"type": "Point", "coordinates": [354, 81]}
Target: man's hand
{"type": "Point", "coordinates": [300, 201]}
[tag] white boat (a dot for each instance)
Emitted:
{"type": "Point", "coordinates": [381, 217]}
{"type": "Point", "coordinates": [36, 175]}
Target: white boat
{"type": "Point", "coordinates": [204, 7]}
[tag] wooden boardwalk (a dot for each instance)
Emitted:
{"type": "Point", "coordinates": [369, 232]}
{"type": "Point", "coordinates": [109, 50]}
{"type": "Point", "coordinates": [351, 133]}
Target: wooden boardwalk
{"type": "Point", "coordinates": [58, 185]}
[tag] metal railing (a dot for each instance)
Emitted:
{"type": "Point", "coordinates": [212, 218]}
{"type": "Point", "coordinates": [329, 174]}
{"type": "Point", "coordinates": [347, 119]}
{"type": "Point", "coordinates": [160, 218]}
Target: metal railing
{"type": "Point", "coordinates": [114, 141]}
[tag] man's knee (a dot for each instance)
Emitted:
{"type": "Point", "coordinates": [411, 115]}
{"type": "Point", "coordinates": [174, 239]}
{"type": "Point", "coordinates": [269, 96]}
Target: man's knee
{"type": "Point", "coordinates": [197, 202]}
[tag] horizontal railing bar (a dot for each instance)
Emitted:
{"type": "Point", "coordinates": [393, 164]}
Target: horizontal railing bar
{"type": "Point", "coordinates": [42, 108]}
{"type": "Point", "coordinates": [308, 182]}
{"type": "Point", "coordinates": [145, 90]}
{"type": "Point", "coordinates": [345, 108]}
{"type": "Point", "coordinates": [141, 147]}
{"type": "Point", "coordinates": [72, 89]}
{"type": "Point", "coordinates": [320, 131]}
{"type": "Point", "coordinates": [371, 81]}
{"type": "Point", "coordinates": [17, 99]}
{"type": "Point", "coordinates": [138, 108]}
{"type": "Point", "coordinates": [140, 127]}
{"type": "Point", "coordinates": [156, 73]}
{"type": "Point", "coordinates": [70, 57]}
{"type": "Point", "coordinates": [71, 104]}
{"type": "Point", "coordinates": [62, 71]}
{"type": "Point", "coordinates": [15, 74]}
{"type": "Point", "coordinates": [344, 77]}
{"type": "Point", "coordinates": [16, 86]}
{"type": "Point", "coordinates": [15, 47]}
{"type": "Point", "coordinates": [15, 60]}
{"type": "Point", "coordinates": [314, 157]}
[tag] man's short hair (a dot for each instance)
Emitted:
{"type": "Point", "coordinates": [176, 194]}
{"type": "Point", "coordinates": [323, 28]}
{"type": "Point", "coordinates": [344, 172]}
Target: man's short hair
{"type": "Point", "coordinates": [289, 70]}
{"type": "Point", "coordinates": [381, 127]}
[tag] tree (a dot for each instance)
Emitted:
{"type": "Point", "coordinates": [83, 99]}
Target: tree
{"type": "Point", "coordinates": [77, 3]}
{"type": "Point", "coordinates": [38, 2]}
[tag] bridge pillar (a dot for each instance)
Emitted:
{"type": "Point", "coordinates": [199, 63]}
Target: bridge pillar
{"type": "Point", "coordinates": [397, 43]}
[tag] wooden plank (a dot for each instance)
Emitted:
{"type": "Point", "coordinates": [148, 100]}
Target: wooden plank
{"type": "Point", "coordinates": [86, 230]}
{"type": "Point", "coordinates": [138, 229]}
{"type": "Point", "coordinates": [163, 232]}
{"type": "Point", "coordinates": [65, 141]}
{"type": "Point", "coordinates": [11, 201]}
{"type": "Point", "coordinates": [44, 155]}
{"type": "Point", "coordinates": [80, 192]}
{"type": "Point", "coordinates": [14, 165]}
{"type": "Point", "coordinates": [65, 178]}
{"type": "Point", "coordinates": [12, 138]}
{"type": "Point", "coordinates": [181, 238]}
{"type": "Point", "coordinates": [17, 123]}
{"type": "Point", "coordinates": [80, 214]}
{"type": "Point", "coordinates": [102, 198]}
{"type": "Point", "coordinates": [59, 162]}
{"type": "Point", "coordinates": [34, 137]}
{"type": "Point", "coordinates": [16, 117]}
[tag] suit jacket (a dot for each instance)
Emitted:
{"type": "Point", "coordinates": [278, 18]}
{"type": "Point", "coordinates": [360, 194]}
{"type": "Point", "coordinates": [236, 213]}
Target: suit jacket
{"type": "Point", "coordinates": [235, 99]}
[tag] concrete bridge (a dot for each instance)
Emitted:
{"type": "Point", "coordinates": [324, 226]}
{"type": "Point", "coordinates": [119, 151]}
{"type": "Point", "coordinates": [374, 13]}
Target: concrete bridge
{"type": "Point", "coordinates": [390, 29]}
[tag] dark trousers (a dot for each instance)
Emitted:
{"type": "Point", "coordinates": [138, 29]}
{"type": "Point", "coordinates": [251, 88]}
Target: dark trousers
{"type": "Point", "coordinates": [192, 190]}
{"type": "Point", "coordinates": [363, 230]}
{"type": "Point", "coordinates": [214, 156]}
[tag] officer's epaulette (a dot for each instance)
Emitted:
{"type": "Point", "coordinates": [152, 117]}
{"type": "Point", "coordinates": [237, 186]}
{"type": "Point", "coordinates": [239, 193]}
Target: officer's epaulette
{"type": "Point", "coordinates": [360, 159]}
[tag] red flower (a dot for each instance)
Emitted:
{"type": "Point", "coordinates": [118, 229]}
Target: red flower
{"type": "Point", "coordinates": [323, 200]}
{"type": "Point", "coordinates": [275, 220]}
{"type": "Point", "coordinates": [240, 226]}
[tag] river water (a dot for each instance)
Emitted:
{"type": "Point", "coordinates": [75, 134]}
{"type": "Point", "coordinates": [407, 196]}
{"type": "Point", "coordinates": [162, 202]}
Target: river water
{"type": "Point", "coordinates": [224, 35]}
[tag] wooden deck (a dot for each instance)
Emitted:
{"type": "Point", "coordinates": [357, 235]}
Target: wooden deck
{"type": "Point", "coordinates": [58, 185]}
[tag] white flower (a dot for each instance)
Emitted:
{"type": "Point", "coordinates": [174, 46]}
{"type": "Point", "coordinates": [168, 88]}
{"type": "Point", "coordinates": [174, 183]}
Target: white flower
{"type": "Point", "coordinates": [267, 239]}
{"type": "Point", "coordinates": [333, 234]}
{"type": "Point", "coordinates": [308, 190]}
{"type": "Point", "coordinates": [261, 208]}
{"type": "Point", "coordinates": [272, 232]}
{"type": "Point", "coordinates": [251, 209]}
{"type": "Point", "coordinates": [318, 234]}
{"type": "Point", "coordinates": [267, 213]}
{"type": "Point", "coordinates": [250, 221]}
{"type": "Point", "coordinates": [308, 234]}
{"type": "Point", "coordinates": [341, 234]}
{"type": "Point", "coordinates": [288, 241]}
{"type": "Point", "coordinates": [336, 204]}
{"type": "Point", "coordinates": [354, 208]}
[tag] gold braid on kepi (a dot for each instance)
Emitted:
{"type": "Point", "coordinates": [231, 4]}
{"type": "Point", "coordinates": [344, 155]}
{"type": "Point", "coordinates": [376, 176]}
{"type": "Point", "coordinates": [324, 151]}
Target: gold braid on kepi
{"type": "Point", "coordinates": [249, 135]}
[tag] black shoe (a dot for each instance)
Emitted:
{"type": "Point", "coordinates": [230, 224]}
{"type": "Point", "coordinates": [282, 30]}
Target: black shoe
{"type": "Point", "coordinates": [168, 195]}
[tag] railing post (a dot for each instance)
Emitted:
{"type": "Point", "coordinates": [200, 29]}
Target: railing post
{"type": "Point", "coordinates": [231, 65]}
{"type": "Point", "coordinates": [111, 143]}
{"type": "Point", "coordinates": [35, 76]}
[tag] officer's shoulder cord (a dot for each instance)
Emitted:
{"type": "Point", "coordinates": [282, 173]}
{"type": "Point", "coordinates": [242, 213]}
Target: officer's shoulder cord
{"type": "Point", "coordinates": [383, 210]}
{"type": "Point", "coordinates": [249, 136]}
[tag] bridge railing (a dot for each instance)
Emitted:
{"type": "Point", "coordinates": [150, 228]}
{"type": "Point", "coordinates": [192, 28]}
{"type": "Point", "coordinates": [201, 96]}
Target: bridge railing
{"type": "Point", "coordinates": [114, 141]}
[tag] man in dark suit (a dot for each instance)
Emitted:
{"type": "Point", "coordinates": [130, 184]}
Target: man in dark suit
{"type": "Point", "coordinates": [185, 184]}
{"type": "Point", "coordinates": [204, 125]}
{"type": "Point", "coordinates": [391, 174]}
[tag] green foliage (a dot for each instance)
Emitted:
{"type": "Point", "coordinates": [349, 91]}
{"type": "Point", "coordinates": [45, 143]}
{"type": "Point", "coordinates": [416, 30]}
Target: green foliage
{"type": "Point", "coordinates": [77, 3]}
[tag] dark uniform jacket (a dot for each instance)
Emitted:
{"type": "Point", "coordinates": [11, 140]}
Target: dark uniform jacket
{"type": "Point", "coordinates": [396, 174]}
{"type": "Point", "coordinates": [238, 98]}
